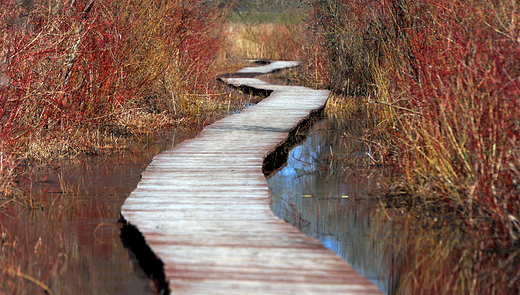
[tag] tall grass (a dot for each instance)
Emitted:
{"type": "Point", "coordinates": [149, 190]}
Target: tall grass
{"type": "Point", "coordinates": [266, 41]}
{"type": "Point", "coordinates": [344, 32]}
{"type": "Point", "coordinates": [445, 75]}
{"type": "Point", "coordinates": [71, 72]}
{"type": "Point", "coordinates": [471, 82]}
{"type": "Point", "coordinates": [267, 30]}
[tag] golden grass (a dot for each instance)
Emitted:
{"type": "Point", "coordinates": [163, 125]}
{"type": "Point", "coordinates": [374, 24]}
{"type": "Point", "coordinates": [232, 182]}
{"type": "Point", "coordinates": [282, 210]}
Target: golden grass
{"type": "Point", "coordinates": [340, 106]}
{"type": "Point", "coordinates": [269, 41]}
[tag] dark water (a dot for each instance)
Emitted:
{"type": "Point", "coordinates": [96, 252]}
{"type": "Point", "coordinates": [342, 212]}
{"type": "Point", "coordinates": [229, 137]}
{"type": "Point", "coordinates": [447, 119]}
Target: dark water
{"type": "Point", "coordinates": [70, 240]}
{"type": "Point", "coordinates": [320, 196]}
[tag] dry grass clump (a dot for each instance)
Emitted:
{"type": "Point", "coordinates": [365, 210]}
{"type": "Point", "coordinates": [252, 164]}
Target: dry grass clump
{"type": "Point", "coordinates": [76, 76]}
{"type": "Point", "coordinates": [340, 106]}
{"type": "Point", "coordinates": [347, 38]}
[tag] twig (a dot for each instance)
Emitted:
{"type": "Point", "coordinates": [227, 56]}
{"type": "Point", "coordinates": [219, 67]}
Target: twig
{"type": "Point", "coordinates": [28, 277]}
{"type": "Point", "coordinates": [397, 107]}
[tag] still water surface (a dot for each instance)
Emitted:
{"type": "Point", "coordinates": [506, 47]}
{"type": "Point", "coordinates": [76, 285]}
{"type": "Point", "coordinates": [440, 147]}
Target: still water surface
{"type": "Point", "coordinates": [71, 240]}
{"type": "Point", "coordinates": [73, 243]}
{"type": "Point", "coordinates": [330, 202]}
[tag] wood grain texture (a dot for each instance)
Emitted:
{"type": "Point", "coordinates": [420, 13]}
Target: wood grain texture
{"type": "Point", "coordinates": [203, 207]}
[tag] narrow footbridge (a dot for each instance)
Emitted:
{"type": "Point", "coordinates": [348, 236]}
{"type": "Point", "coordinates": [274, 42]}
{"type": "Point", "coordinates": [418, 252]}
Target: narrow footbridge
{"type": "Point", "coordinates": [203, 207]}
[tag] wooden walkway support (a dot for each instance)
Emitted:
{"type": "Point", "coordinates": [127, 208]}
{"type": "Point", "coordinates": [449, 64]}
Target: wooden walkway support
{"type": "Point", "coordinates": [203, 207]}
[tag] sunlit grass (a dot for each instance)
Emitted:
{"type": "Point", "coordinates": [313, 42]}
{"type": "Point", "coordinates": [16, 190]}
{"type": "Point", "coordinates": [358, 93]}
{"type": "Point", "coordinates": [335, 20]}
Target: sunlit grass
{"type": "Point", "coordinates": [269, 41]}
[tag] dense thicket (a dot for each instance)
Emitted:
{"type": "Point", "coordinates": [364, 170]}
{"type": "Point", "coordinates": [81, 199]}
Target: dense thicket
{"type": "Point", "coordinates": [70, 71]}
{"type": "Point", "coordinates": [446, 76]}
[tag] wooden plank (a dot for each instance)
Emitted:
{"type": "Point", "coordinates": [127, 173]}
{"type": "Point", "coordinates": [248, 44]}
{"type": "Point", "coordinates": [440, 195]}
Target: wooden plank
{"type": "Point", "coordinates": [203, 207]}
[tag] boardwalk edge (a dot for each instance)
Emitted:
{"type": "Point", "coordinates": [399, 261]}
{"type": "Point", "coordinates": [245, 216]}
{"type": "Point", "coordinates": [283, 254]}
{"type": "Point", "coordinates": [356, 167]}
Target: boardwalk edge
{"type": "Point", "coordinates": [224, 264]}
{"type": "Point", "coordinates": [152, 265]}
{"type": "Point", "coordinates": [276, 159]}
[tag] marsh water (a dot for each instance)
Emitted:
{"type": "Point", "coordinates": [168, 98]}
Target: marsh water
{"type": "Point", "coordinates": [74, 241]}
{"type": "Point", "coordinates": [70, 239]}
{"type": "Point", "coordinates": [318, 193]}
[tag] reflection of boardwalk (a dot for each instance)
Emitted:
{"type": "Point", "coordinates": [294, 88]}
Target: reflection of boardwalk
{"type": "Point", "coordinates": [203, 208]}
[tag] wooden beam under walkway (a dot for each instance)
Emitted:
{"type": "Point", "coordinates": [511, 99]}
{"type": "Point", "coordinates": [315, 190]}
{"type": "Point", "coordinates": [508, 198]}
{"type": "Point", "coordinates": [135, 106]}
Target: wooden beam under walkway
{"type": "Point", "coordinates": [203, 207]}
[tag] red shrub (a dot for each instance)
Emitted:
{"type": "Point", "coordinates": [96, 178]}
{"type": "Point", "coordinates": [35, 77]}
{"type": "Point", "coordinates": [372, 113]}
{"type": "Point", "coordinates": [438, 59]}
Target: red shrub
{"type": "Point", "coordinates": [68, 68]}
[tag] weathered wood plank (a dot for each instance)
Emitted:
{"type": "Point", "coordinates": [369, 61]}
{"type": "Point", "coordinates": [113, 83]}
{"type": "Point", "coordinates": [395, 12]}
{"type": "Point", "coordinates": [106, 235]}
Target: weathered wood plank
{"type": "Point", "coordinates": [203, 207]}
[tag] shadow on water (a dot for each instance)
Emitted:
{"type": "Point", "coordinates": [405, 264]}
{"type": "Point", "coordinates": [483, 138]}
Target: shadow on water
{"type": "Point", "coordinates": [325, 200]}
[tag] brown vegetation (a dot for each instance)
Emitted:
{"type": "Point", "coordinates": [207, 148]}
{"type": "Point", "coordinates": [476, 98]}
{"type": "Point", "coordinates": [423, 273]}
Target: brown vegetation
{"type": "Point", "coordinates": [443, 78]}
{"type": "Point", "coordinates": [78, 77]}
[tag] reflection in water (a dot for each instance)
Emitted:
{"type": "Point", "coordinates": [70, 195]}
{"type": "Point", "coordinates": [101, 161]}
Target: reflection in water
{"type": "Point", "coordinates": [71, 243]}
{"type": "Point", "coordinates": [330, 203]}
{"type": "Point", "coordinates": [402, 248]}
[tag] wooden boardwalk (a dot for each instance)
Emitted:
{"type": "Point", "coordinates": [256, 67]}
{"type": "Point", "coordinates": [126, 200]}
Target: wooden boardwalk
{"type": "Point", "coordinates": [203, 207]}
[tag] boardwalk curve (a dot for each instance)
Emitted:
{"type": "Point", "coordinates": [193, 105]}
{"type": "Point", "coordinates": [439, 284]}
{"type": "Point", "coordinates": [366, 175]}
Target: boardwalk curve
{"type": "Point", "coordinates": [203, 207]}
